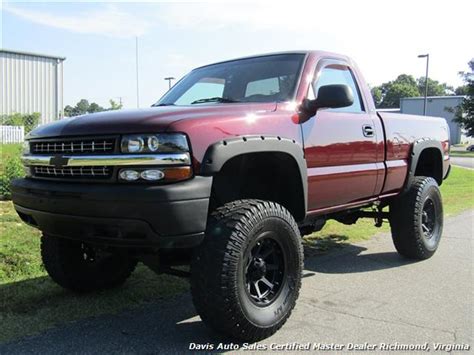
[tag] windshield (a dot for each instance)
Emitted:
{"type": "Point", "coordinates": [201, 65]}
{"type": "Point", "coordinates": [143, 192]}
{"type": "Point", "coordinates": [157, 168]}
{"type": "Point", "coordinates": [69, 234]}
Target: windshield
{"type": "Point", "coordinates": [260, 79]}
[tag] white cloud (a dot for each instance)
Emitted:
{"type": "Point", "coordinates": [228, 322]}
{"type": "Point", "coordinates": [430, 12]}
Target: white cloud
{"type": "Point", "coordinates": [384, 37]}
{"type": "Point", "coordinates": [259, 15]}
{"type": "Point", "coordinates": [107, 21]}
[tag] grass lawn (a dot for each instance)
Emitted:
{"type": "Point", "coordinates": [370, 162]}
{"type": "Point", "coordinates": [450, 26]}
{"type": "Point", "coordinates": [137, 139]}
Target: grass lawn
{"type": "Point", "coordinates": [8, 150]}
{"type": "Point", "coordinates": [30, 302]}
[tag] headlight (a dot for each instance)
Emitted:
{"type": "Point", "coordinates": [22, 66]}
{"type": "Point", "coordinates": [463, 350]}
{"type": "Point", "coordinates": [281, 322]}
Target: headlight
{"type": "Point", "coordinates": [26, 147]}
{"type": "Point", "coordinates": [154, 143]}
{"type": "Point", "coordinates": [135, 145]}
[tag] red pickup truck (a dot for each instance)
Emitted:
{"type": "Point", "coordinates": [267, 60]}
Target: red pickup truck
{"type": "Point", "coordinates": [225, 173]}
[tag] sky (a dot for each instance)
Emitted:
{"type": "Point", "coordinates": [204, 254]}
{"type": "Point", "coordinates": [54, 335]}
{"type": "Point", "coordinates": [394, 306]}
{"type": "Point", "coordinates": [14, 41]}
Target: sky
{"type": "Point", "coordinates": [98, 39]}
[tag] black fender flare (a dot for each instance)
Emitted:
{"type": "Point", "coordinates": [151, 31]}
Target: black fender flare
{"type": "Point", "coordinates": [417, 148]}
{"type": "Point", "coordinates": [220, 152]}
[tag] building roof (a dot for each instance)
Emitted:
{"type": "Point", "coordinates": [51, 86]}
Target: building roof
{"type": "Point", "coordinates": [32, 54]}
{"type": "Point", "coordinates": [434, 97]}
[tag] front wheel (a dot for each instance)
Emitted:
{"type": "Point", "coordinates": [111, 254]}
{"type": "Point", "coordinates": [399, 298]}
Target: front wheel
{"type": "Point", "coordinates": [416, 219]}
{"type": "Point", "coordinates": [80, 267]}
{"type": "Point", "coordinates": [246, 275]}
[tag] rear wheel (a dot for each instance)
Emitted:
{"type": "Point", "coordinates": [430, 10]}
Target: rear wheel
{"type": "Point", "coordinates": [416, 219]}
{"type": "Point", "coordinates": [81, 267]}
{"type": "Point", "coordinates": [246, 275]}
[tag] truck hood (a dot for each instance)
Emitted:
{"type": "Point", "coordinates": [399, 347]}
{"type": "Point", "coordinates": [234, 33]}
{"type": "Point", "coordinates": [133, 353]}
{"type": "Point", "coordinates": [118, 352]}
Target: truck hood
{"type": "Point", "coordinates": [154, 119]}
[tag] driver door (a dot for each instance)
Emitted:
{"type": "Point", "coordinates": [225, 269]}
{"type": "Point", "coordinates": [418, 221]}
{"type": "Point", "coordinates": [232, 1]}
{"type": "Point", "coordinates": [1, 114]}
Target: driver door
{"type": "Point", "coordinates": [340, 145]}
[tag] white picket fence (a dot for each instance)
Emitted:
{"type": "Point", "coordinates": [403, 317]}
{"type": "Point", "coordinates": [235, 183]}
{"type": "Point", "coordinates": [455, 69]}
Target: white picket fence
{"type": "Point", "coordinates": [12, 134]}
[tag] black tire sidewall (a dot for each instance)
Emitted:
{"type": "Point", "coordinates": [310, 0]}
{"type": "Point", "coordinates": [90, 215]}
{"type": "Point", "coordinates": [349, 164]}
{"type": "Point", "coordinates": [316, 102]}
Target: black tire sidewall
{"type": "Point", "coordinates": [63, 260]}
{"type": "Point", "coordinates": [431, 192]}
{"type": "Point", "coordinates": [285, 236]}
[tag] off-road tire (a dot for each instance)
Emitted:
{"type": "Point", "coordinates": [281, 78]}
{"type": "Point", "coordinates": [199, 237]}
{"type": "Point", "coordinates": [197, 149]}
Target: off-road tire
{"type": "Point", "coordinates": [220, 269]}
{"type": "Point", "coordinates": [408, 219]}
{"type": "Point", "coordinates": [65, 262]}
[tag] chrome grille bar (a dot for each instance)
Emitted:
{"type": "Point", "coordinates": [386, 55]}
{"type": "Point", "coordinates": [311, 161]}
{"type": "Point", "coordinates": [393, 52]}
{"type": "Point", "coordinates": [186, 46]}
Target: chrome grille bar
{"type": "Point", "coordinates": [99, 145]}
{"type": "Point", "coordinates": [73, 172]}
{"type": "Point", "coordinates": [111, 160]}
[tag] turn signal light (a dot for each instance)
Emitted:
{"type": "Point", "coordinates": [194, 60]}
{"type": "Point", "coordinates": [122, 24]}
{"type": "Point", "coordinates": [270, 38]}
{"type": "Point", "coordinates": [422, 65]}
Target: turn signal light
{"type": "Point", "coordinates": [177, 174]}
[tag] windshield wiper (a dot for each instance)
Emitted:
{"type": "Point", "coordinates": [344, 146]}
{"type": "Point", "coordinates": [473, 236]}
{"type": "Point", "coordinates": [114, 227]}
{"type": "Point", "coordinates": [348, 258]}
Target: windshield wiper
{"type": "Point", "coordinates": [164, 104]}
{"type": "Point", "coordinates": [214, 99]}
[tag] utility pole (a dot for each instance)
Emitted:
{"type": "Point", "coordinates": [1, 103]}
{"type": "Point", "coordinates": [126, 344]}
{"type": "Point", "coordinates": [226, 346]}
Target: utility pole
{"type": "Point", "coordinates": [427, 56]}
{"type": "Point", "coordinates": [136, 61]}
{"type": "Point", "coordinates": [169, 78]}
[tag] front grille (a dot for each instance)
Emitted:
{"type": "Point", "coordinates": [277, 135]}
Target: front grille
{"type": "Point", "coordinates": [74, 146]}
{"type": "Point", "coordinates": [76, 172]}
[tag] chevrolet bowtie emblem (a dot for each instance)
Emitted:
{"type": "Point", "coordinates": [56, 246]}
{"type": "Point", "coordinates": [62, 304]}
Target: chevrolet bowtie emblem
{"type": "Point", "coordinates": [58, 161]}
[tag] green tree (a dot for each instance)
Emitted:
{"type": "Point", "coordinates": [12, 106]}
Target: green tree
{"type": "Point", "coordinates": [391, 92]}
{"type": "Point", "coordinates": [114, 105]}
{"type": "Point", "coordinates": [465, 113]}
{"type": "Point", "coordinates": [377, 95]}
{"type": "Point", "coordinates": [462, 90]}
{"type": "Point", "coordinates": [28, 120]}
{"type": "Point", "coordinates": [435, 88]}
{"type": "Point", "coordinates": [83, 107]}
{"type": "Point", "coordinates": [405, 79]}
{"type": "Point", "coordinates": [93, 107]}
{"type": "Point", "coordinates": [395, 92]}
{"type": "Point", "coordinates": [68, 111]}
{"type": "Point", "coordinates": [388, 94]}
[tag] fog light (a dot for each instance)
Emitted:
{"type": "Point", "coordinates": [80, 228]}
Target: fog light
{"type": "Point", "coordinates": [129, 175]}
{"type": "Point", "coordinates": [152, 175]}
{"type": "Point", "coordinates": [27, 170]}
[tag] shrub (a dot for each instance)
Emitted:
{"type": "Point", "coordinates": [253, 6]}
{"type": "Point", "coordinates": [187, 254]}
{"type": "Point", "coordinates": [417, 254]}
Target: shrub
{"type": "Point", "coordinates": [12, 169]}
{"type": "Point", "coordinates": [28, 120]}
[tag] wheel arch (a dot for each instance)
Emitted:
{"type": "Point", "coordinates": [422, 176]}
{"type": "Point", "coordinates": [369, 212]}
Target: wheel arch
{"type": "Point", "coordinates": [268, 161]}
{"type": "Point", "coordinates": [426, 160]}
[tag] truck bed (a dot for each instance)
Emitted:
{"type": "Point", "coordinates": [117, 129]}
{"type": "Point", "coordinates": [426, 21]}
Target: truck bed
{"type": "Point", "coordinates": [401, 132]}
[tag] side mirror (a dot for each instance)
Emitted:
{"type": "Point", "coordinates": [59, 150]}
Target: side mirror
{"type": "Point", "coordinates": [329, 96]}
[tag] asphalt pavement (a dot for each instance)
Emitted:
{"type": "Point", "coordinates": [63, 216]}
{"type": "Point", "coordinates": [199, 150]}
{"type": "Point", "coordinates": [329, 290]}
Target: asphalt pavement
{"type": "Point", "coordinates": [362, 293]}
{"type": "Point", "coordinates": [464, 162]}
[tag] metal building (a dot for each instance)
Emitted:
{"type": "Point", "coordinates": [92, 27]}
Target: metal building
{"type": "Point", "coordinates": [30, 83]}
{"type": "Point", "coordinates": [439, 106]}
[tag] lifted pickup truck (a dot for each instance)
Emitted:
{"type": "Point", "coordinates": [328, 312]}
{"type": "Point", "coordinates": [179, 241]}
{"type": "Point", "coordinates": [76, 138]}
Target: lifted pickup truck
{"type": "Point", "coordinates": [225, 173]}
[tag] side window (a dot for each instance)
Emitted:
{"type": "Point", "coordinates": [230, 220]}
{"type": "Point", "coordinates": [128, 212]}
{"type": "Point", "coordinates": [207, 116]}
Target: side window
{"type": "Point", "coordinates": [204, 88]}
{"type": "Point", "coordinates": [338, 74]}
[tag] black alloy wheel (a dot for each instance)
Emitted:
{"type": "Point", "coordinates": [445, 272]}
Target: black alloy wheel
{"type": "Point", "coordinates": [265, 270]}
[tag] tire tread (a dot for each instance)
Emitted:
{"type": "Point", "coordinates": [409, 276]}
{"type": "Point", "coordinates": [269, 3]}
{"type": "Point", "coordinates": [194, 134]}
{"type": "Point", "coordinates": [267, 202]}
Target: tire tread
{"type": "Point", "coordinates": [405, 213]}
{"type": "Point", "coordinates": [214, 292]}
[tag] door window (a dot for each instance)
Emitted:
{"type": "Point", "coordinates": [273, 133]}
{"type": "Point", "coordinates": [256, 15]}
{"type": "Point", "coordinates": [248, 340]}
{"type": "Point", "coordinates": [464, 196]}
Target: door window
{"type": "Point", "coordinates": [339, 74]}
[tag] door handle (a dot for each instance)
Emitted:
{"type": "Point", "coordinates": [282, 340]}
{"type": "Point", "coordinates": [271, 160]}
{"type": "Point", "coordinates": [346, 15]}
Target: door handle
{"type": "Point", "coordinates": [368, 130]}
